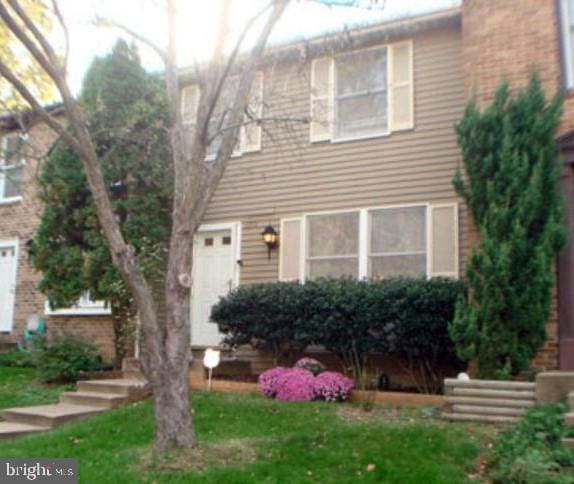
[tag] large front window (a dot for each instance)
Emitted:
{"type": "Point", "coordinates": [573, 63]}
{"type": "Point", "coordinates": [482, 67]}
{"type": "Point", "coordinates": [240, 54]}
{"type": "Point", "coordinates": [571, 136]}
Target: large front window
{"type": "Point", "coordinates": [373, 243]}
{"type": "Point", "coordinates": [361, 97]}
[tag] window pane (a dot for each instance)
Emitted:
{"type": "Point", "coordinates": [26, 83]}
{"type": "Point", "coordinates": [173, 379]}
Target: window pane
{"type": "Point", "coordinates": [362, 115]}
{"type": "Point", "coordinates": [13, 182]}
{"type": "Point", "coordinates": [12, 149]}
{"type": "Point", "coordinates": [361, 71]}
{"type": "Point", "coordinates": [336, 234]}
{"type": "Point", "coordinates": [334, 268]}
{"type": "Point", "coordinates": [400, 265]}
{"type": "Point", "coordinates": [398, 230]}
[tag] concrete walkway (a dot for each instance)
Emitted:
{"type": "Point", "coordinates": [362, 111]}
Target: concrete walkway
{"type": "Point", "coordinates": [90, 398]}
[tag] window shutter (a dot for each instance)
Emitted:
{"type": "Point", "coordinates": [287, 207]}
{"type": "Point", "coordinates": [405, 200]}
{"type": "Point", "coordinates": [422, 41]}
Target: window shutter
{"type": "Point", "coordinates": [290, 250]}
{"type": "Point", "coordinates": [444, 240]}
{"type": "Point", "coordinates": [401, 86]}
{"type": "Point", "coordinates": [251, 132]}
{"type": "Point", "coordinates": [321, 99]}
{"type": "Point", "coordinates": [189, 104]}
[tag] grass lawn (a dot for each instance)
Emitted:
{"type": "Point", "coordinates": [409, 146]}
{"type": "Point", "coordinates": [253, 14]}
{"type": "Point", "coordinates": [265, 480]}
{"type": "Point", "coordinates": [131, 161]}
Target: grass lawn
{"type": "Point", "coordinates": [253, 439]}
{"type": "Point", "coordinates": [19, 387]}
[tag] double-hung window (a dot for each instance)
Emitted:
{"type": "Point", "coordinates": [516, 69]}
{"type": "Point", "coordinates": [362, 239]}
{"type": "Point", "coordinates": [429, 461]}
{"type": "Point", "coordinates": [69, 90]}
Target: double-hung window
{"type": "Point", "coordinates": [11, 168]}
{"type": "Point", "coordinates": [363, 93]}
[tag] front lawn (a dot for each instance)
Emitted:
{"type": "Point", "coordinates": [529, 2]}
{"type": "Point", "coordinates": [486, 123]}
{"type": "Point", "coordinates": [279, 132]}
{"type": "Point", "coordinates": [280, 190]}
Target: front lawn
{"type": "Point", "coordinates": [19, 387]}
{"type": "Point", "coordinates": [267, 441]}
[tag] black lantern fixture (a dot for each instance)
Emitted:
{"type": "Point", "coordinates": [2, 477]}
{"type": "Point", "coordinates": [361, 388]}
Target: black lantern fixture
{"type": "Point", "coordinates": [271, 239]}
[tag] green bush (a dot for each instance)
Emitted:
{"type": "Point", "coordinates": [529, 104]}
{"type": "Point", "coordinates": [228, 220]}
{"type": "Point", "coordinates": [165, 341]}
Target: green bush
{"type": "Point", "coordinates": [16, 358]}
{"type": "Point", "coordinates": [64, 358]}
{"type": "Point", "coordinates": [404, 317]}
{"type": "Point", "coordinates": [265, 316]}
{"type": "Point", "coordinates": [532, 451]}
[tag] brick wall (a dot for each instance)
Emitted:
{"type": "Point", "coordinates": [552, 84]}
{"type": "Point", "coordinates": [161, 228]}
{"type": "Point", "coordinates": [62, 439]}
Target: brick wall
{"type": "Point", "coordinates": [19, 221]}
{"type": "Point", "coordinates": [509, 39]}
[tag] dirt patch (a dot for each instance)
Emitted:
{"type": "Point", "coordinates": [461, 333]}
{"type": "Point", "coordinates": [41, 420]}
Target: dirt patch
{"type": "Point", "coordinates": [387, 413]}
{"type": "Point", "coordinates": [231, 453]}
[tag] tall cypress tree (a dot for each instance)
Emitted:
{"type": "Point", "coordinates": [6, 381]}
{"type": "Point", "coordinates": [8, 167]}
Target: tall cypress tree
{"type": "Point", "coordinates": [127, 112]}
{"type": "Point", "coordinates": [510, 184]}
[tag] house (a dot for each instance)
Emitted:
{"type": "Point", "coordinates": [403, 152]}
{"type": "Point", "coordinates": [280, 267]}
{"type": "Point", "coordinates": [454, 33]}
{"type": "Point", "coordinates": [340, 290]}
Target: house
{"type": "Point", "coordinates": [365, 188]}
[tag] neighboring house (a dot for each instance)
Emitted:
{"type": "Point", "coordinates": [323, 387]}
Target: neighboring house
{"type": "Point", "coordinates": [364, 189]}
{"type": "Point", "coordinates": [24, 142]}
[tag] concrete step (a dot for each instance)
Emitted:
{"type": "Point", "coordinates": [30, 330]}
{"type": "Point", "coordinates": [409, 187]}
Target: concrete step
{"type": "Point", "coordinates": [480, 410]}
{"type": "Point", "coordinates": [93, 399]}
{"type": "Point", "coordinates": [133, 375]}
{"type": "Point", "coordinates": [490, 384]}
{"type": "Point", "coordinates": [469, 417]}
{"type": "Point", "coordinates": [9, 430]}
{"type": "Point", "coordinates": [489, 393]}
{"type": "Point", "coordinates": [490, 402]}
{"type": "Point", "coordinates": [49, 415]}
{"type": "Point", "coordinates": [122, 386]}
{"type": "Point", "coordinates": [569, 418]}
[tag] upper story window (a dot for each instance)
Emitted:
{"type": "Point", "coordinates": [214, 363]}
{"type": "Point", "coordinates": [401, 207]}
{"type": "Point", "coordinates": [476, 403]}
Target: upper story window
{"type": "Point", "coordinates": [362, 94]}
{"type": "Point", "coordinates": [250, 131]}
{"type": "Point", "coordinates": [11, 168]}
{"type": "Point", "coordinates": [567, 16]}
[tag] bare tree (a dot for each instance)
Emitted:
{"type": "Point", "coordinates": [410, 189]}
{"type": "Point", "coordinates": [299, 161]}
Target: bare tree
{"type": "Point", "coordinates": [166, 337]}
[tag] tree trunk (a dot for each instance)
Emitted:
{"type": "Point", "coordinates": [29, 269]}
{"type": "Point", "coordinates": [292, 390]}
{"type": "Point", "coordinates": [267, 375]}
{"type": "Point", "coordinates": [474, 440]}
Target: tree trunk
{"type": "Point", "coordinates": [173, 423]}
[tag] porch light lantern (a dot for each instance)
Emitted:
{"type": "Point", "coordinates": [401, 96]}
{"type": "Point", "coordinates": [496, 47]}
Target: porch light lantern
{"type": "Point", "coordinates": [271, 239]}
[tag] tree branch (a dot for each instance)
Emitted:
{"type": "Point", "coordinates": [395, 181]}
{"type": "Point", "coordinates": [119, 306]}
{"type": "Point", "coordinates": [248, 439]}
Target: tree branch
{"type": "Point", "coordinates": [60, 17]}
{"type": "Point", "coordinates": [104, 22]}
{"type": "Point", "coordinates": [46, 47]}
{"type": "Point", "coordinates": [58, 127]}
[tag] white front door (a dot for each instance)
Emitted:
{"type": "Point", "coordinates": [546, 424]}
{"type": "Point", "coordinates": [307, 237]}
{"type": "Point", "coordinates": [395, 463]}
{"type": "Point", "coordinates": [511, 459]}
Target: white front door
{"type": "Point", "coordinates": [214, 275]}
{"type": "Point", "coordinates": [8, 264]}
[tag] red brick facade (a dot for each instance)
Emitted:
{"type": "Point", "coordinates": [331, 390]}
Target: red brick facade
{"type": "Point", "coordinates": [19, 221]}
{"type": "Point", "coordinates": [509, 39]}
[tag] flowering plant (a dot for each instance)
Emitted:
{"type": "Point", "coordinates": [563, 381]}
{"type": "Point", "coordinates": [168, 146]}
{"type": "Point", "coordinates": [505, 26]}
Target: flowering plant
{"type": "Point", "coordinates": [295, 384]}
{"type": "Point", "coordinates": [311, 364]}
{"type": "Point", "coordinates": [268, 380]}
{"type": "Point", "coordinates": [332, 386]}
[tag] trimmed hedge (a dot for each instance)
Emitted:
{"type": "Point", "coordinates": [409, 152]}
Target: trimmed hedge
{"type": "Point", "coordinates": [403, 317]}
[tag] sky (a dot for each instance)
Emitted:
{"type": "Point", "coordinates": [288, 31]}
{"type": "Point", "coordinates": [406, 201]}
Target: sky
{"type": "Point", "coordinates": [196, 21]}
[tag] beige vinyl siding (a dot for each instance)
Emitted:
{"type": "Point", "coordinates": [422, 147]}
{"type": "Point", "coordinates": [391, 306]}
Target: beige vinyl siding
{"type": "Point", "coordinates": [291, 176]}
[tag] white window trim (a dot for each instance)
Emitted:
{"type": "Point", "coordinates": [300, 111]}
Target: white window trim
{"type": "Point", "coordinates": [94, 308]}
{"type": "Point", "coordinates": [383, 133]}
{"type": "Point", "coordinates": [363, 253]}
{"type": "Point", "coordinates": [18, 198]}
{"type": "Point", "coordinates": [566, 41]}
